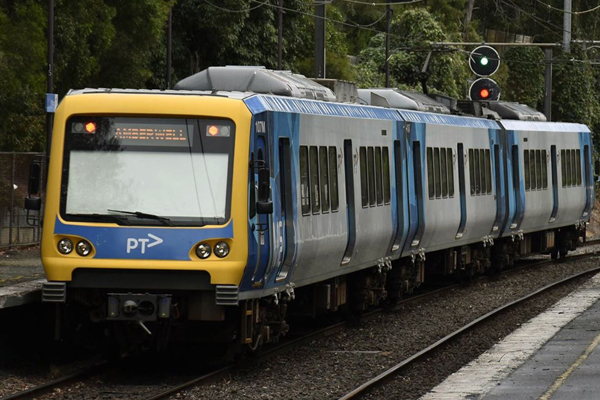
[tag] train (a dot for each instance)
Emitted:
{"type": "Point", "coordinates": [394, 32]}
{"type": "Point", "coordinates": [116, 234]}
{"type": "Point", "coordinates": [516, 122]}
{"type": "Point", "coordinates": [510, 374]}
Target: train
{"type": "Point", "coordinates": [214, 211]}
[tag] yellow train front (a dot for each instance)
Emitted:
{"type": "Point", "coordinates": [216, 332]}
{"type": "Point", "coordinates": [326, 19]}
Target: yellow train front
{"type": "Point", "coordinates": [146, 193]}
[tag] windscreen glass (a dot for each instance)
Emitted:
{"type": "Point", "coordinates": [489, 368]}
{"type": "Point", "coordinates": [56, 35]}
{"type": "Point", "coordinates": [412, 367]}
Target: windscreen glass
{"type": "Point", "coordinates": [147, 171]}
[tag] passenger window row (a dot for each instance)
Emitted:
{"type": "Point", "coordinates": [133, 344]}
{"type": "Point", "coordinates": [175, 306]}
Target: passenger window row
{"type": "Point", "coordinates": [440, 172]}
{"type": "Point", "coordinates": [318, 179]}
{"type": "Point", "coordinates": [536, 169]}
{"type": "Point", "coordinates": [480, 172]}
{"type": "Point", "coordinates": [375, 176]}
{"type": "Point", "coordinates": [570, 163]}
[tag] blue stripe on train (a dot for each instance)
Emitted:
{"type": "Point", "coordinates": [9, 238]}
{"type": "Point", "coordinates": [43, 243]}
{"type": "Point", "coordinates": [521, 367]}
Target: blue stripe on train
{"type": "Point", "coordinates": [149, 243]}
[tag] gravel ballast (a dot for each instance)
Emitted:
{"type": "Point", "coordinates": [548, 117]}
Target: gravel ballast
{"type": "Point", "coordinates": [330, 367]}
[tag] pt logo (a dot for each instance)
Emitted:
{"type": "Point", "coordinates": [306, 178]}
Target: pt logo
{"type": "Point", "coordinates": [133, 243]}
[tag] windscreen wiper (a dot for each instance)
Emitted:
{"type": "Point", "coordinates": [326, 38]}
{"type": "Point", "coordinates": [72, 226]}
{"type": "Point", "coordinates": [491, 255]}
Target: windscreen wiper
{"type": "Point", "coordinates": [164, 220]}
{"type": "Point", "coordinates": [112, 218]}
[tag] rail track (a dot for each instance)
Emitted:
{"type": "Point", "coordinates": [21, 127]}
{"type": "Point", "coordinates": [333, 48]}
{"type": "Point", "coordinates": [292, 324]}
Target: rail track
{"type": "Point", "coordinates": [221, 373]}
{"type": "Point", "coordinates": [381, 379]}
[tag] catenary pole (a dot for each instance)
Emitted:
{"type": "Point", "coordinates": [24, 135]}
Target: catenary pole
{"type": "Point", "coordinates": [388, 19]}
{"type": "Point", "coordinates": [320, 39]}
{"type": "Point", "coordinates": [50, 71]}
{"type": "Point", "coordinates": [548, 84]}
{"type": "Point", "coordinates": [567, 27]}
{"type": "Point", "coordinates": [280, 35]}
{"type": "Point", "coordinates": [169, 38]}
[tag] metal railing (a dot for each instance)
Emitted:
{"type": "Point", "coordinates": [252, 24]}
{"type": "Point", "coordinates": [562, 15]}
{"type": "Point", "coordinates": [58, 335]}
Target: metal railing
{"type": "Point", "coordinates": [14, 180]}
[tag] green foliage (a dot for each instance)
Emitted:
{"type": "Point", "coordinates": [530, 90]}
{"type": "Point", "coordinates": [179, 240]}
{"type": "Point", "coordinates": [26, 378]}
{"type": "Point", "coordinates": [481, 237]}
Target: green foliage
{"type": "Point", "coordinates": [114, 43]}
{"type": "Point", "coordinates": [525, 82]}
{"type": "Point", "coordinates": [574, 97]}
{"type": "Point", "coordinates": [411, 33]}
{"type": "Point", "coordinates": [22, 54]}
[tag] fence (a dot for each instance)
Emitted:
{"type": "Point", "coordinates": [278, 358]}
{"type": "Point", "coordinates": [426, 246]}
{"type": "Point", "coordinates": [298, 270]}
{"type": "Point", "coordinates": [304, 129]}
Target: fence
{"type": "Point", "coordinates": [14, 178]}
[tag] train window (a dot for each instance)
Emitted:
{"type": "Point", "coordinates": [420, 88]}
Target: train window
{"type": "Point", "coordinates": [371, 171]}
{"type": "Point", "coordinates": [573, 169]}
{"type": "Point", "coordinates": [304, 185]}
{"type": "Point", "coordinates": [578, 164]}
{"type": "Point", "coordinates": [477, 172]}
{"type": "Point", "coordinates": [333, 179]}
{"type": "Point", "coordinates": [436, 172]}
{"type": "Point", "coordinates": [314, 180]}
{"type": "Point", "coordinates": [526, 169]}
{"type": "Point", "coordinates": [563, 167]}
{"type": "Point", "coordinates": [482, 174]}
{"type": "Point", "coordinates": [430, 181]}
{"type": "Point", "coordinates": [364, 188]}
{"type": "Point", "coordinates": [324, 178]}
{"type": "Point", "coordinates": [532, 169]}
{"type": "Point", "coordinates": [450, 168]}
{"type": "Point", "coordinates": [472, 171]}
{"type": "Point", "coordinates": [538, 168]}
{"type": "Point", "coordinates": [385, 157]}
{"type": "Point", "coordinates": [515, 168]}
{"type": "Point", "coordinates": [532, 172]}
{"type": "Point", "coordinates": [488, 172]}
{"type": "Point", "coordinates": [252, 205]}
{"type": "Point", "coordinates": [568, 162]}
{"type": "Point", "coordinates": [378, 176]}
{"type": "Point", "coordinates": [444, 172]}
{"type": "Point", "coordinates": [544, 170]}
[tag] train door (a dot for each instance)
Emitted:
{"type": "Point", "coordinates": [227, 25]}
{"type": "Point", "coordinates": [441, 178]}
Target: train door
{"type": "Point", "coordinates": [349, 173]}
{"type": "Point", "coordinates": [287, 209]}
{"type": "Point", "coordinates": [588, 180]}
{"type": "Point", "coordinates": [460, 157]}
{"type": "Point", "coordinates": [399, 171]}
{"type": "Point", "coordinates": [262, 221]}
{"type": "Point", "coordinates": [417, 223]}
{"type": "Point", "coordinates": [554, 167]}
{"type": "Point", "coordinates": [501, 207]}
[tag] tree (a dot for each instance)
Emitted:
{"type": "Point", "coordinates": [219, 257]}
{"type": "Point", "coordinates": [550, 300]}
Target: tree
{"type": "Point", "coordinates": [411, 34]}
{"type": "Point", "coordinates": [525, 83]}
{"type": "Point", "coordinates": [22, 77]}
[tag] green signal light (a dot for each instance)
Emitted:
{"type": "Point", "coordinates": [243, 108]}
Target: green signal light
{"type": "Point", "coordinates": [484, 61]}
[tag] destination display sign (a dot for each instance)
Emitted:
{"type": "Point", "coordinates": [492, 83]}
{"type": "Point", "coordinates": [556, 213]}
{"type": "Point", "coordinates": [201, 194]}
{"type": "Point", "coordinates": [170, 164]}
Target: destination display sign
{"type": "Point", "coordinates": [137, 131]}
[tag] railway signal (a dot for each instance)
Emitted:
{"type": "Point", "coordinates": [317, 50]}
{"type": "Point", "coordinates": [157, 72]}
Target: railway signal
{"type": "Point", "coordinates": [484, 61]}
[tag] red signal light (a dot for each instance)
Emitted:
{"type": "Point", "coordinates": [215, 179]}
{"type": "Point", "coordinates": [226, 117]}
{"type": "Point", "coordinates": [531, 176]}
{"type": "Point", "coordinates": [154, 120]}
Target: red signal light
{"type": "Point", "coordinates": [484, 93]}
{"type": "Point", "coordinates": [213, 130]}
{"type": "Point", "coordinates": [90, 127]}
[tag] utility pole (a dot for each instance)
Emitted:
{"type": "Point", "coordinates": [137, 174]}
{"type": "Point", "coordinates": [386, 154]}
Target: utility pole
{"type": "Point", "coordinates": [320, 38]}
{"type": "Point", "coordinates": [50, 96]}
{"type": "Point", "coordinates": [169, 37]}
{"type": "Point", "coordinates": [567, 27]}
{"type": "Point", "coordinates": [548, 84]}
{"type": "Point", "coordinates": [388, 20]}
{"type": "Point", "coordinates": [280, 35]}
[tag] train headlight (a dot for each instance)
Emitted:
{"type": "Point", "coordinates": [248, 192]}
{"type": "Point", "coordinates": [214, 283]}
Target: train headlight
{"type": "Point", "coordinates": [83, 248]}
{"type": "Point", "coordinates": [203, 250]}
{"type": "Point", "coordinates": [221, 249]}
{"type": "Point", "coordinates": [65, 246]}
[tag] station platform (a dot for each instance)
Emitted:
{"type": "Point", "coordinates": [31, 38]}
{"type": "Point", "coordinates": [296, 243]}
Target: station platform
{"type": "Point", "coordinates": [21, 277]}
{"type": "Point", "coordinates": [553, 356]}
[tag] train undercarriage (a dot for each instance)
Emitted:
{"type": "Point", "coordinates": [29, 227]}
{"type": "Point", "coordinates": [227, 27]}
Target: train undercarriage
{"type": "Point", "coordinates": [156, 320]}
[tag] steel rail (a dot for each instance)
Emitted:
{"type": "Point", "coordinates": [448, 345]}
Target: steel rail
{"type": "Point", "coordinates": [329, 330]}
{"type": "Point", "coordinates": [47, 387]}
{"type": "Point", "coordinates": [391, 372]}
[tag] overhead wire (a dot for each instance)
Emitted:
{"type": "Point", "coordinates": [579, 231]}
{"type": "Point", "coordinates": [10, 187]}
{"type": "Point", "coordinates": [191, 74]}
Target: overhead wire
{"type": "Point", "coordinates": [237, 11]}
{"type": "Point", "coordinates": [569, 12]}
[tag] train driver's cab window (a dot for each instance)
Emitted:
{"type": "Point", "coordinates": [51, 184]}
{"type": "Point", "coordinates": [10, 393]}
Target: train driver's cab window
{"type": "Point", "coordinates": [440, 173]}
